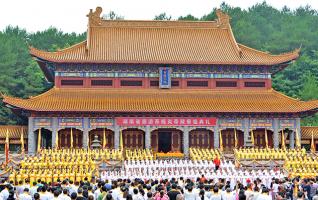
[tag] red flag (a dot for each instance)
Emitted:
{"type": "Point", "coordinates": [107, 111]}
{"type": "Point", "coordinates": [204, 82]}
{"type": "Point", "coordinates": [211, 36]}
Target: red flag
{"type": "Point", "coordinates": [6, 148]}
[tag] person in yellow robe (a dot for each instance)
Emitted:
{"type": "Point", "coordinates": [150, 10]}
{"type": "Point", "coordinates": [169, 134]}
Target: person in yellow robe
{"type": "Point", "coordinates": [48, 177]}
{"type": "Point", "coordinates": [12, 176]}
{"type": "Point", "coordinates": [73, 176]}
{"type": "Point", "coordinates": [18, 177]}
{"type": "Point", "coordinates": [55, 176]}
{"type": "Point", "coordinates": [32, 177]}
{"type": "Point", "coordinates": [78, 177]}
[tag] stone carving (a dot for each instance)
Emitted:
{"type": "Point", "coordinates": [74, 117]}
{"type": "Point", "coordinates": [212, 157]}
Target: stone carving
{"type": "Point", "coordinates": [94, 17]}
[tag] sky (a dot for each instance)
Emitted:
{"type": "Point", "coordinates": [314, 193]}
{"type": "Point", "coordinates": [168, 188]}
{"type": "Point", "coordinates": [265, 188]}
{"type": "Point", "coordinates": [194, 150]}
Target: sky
{"type": "Point", "coordinates": [70, 15]}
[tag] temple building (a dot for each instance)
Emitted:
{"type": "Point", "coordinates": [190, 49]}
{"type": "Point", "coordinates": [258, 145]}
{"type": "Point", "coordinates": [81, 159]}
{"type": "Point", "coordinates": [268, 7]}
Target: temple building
{"type": "Point", "coordinates": [162, 85]}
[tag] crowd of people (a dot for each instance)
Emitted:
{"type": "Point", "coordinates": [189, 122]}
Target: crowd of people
{"type": "Point", "coordinates": [302, 166]}
{"type": "Point", "coordinates": [267, 153]}
{"type": "Point", "coordinates": [204, 154]}
{"type": "Point", "coordinates": [172, 188]}
{"type": "Point", "coordinates": [70, 174]}
{"type": "Point", "coordinates": [52, 165]}
{"type": "Point", "coordinates": [188, 169]}
{"type": "Point", "coordinates": [139, 154]}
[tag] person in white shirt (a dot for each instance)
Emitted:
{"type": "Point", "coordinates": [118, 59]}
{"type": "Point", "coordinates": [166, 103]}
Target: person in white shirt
{"type": "Point", "coordinates": [97, 191]}
{"type": "Point", "coordinates": [25, 195]}
{"type": "Point", "coordinates": [136, 195]}
{"type": "Point", "coordinates": [44, 195]}
{"type": "Point", "coordinates": [33, 189]}
{"type": "Point", "coordinates": [64, 196]}
{"type": "Point", "coordinates": [228, 195]}
{"type": "Point", "coordinates": [216, 194]}
{"type": "Point", "coordinates": [20, 188]}
{"type": "Point", "coordinates": [189, 194]}
{"type": "Point", "coordinates": [5, 192]}
{"type": "Point", "coordinates": [264, 195]}
{"type": "Point", "coordinates": [56, 195]}
{"type": "Point", "coordinates": [115, 193]}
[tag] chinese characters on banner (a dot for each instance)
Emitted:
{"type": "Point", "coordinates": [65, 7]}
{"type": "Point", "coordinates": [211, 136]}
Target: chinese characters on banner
{"type": "Point", "coordinates": [100, 122]}
{"type": "Point", "coordinates": [42, 122]}
{"type": "Point", "coordinates": [70, 122]}
{"type": "Point", "coordinates": [261, 123]}
{"type": "Point", "coordinates": [286, 123]}
{"type": "Point", "coordinates": [165, 77]}
{"type": "Point", "coordinates": [167, 121]}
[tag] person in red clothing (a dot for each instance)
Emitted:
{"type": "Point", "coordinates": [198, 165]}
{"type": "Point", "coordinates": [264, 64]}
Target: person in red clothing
{"type": "Point", "coordinates": [217, 163]}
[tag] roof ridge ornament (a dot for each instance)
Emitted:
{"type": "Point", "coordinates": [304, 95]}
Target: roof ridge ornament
{"type": "Point", "coordinates": [223, 18]}
{"type": "Point", "coordinates": [223, 21]}
{"type": "Point", "coordinates": [94, 18]}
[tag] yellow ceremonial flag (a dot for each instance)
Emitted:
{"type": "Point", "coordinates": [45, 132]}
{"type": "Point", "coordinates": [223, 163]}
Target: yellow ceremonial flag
{"type": "Point", "coordinates": [252, 137]}
{"type": "Point", "coordinates": [57, 140]}
{"type": "Point", "coordinates": [283, 140]}
{"type": "Point", "coordinates": [312, 148]}
{"type": "Point", "coordinates": [221, 141]}
{"type": "Point", "coordinates": [22, 141]}
{"type": "Point", "coordinates": [39, 140]}
{"type": "Point", "coordinates": [121, 141]}
{"type": "Point", "coordinates": [104, 139]}
{"type": "Point", "coordinates": [88, 147]}
{"type": "Point", "coordinates": [235, 139]}
{"type": "Point", "coordinates": [297, 140]}
{"type": "Point", "coordinates": [266, 139]}
{"type": "Point", "coordinates": [7, 146]}
{"type": "Point", "coordinates": [71, 138]}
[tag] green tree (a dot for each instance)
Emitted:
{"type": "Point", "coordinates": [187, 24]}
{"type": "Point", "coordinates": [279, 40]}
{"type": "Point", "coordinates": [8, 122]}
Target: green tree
{"type": "Point", "coordinates": [162, 16]}
{"type": "Point", "coordinates": [188, 18]}
{"type": "Point", "coordinates": [310, 88]}
{"type": "Point", "coordinates": [113, 16]}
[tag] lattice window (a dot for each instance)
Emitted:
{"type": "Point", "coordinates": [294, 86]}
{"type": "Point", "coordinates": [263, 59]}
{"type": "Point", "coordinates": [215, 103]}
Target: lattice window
{"type": "Point", "coordinates": [226, 84]}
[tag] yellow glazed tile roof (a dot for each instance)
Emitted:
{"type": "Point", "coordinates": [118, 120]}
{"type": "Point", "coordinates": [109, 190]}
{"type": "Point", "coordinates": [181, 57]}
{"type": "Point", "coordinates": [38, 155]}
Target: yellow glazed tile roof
{"type": "Point", "coordinates": [14, 131]}
{"type": "Point", "coordinates": [161, 100]}
{"type": "Point", "coordinates": [162, 42]}
{"type": "Point", "coordinates": [307, 130]}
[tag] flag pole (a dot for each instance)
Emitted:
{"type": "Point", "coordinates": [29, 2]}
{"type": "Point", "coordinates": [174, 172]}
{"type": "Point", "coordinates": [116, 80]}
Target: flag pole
{"type": "Point", "coordinates": [221, 141]}
{"type": "Point", "coordinates": [252, 137]}
{"type": "Point", "coordinates": [104, 139]}
{"type": "Point", "coordinates": [39, 140]}
{"type": "Point", "coordinates": [71, 138]}
{"type": "Point", "coordinates": [266, 139]}
{"type": "Point", "coordinates": [57, 140]}
{"type": "Point", "coordinates": [297, 140]}
{"type": "Point", "coordinates": [22, 141]}
{"type": "Point", "coordinates": [121, 140]}
{"type": "Point", "coordinates": [88, 147]}
{"type": "Point", "coordinates": [235, 138]}
{"type": "Point", "coordinates": [312, 148]}
{"type": "Point", "coordinates": [7, 147]}
{"type": "Point", "coordinates": [283, 140]}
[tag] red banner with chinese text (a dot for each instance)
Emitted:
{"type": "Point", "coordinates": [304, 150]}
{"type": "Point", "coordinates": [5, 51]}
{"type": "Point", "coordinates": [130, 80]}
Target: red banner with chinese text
{"type": "Point", "coordinates": [165, 121]}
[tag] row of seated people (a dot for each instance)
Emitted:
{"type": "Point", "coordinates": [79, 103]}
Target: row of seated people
{"type": "Point", "coordinates": [204, 154]}
{"type": "Point", "coordinates": [49, 176]}
{"type": "Point", "coordinates": [139, 154]}
{"type": "Point", "coordinates": [108, 154]}
{"type": "Point", "coordinates": [300, 162]}
{"type": "Point", "coordinates": [47, 163]}
{"type": "Point", "coordinates": [303, 172]}
{"type": "Point", "coordinates": [266, 153]}
{"type": "Point", "coordinates": [57, 159]}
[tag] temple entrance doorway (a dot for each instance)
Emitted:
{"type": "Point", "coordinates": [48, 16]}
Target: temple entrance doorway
{"type": "Point", "coordinates": [164, 143]}
{"type": "Point", "coordinates": [46, 138]}
{"type": "Point", "coordinates": [65, 138]}
{"type": "Point", "coordinates": [167, 140]}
